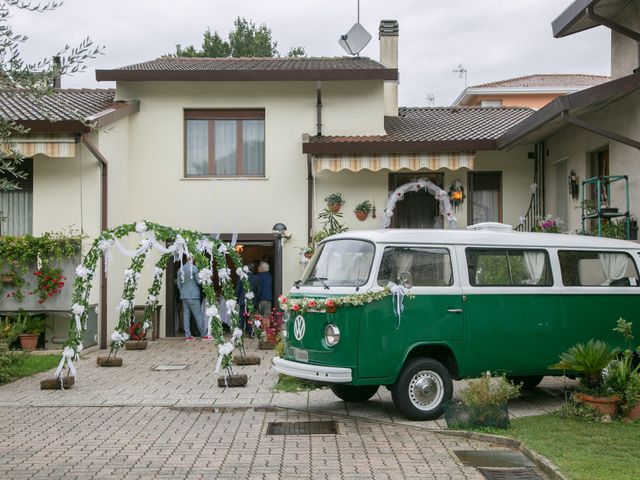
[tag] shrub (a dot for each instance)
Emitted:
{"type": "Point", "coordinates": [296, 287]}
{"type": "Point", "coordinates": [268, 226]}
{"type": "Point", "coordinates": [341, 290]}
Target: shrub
{"type": "Point", "coordinates": [488, 391]}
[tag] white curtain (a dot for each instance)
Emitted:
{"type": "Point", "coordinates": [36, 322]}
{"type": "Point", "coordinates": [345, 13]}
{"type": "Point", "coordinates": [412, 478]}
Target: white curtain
{"type": "Point", "coordinates": [225, 146]}
{"type": "Point", "coordinates": [486, 206]}
{"type": "Point", "coordinates": [534, 261]}
{"type": "Point", "coordinates": [16, 212]}
{"type": "Point", "coordinates": [197, 147]}
{"type": "Point", "coordinates": [253, 147]}
{"type": "Point", "coordinates": [614, 266]}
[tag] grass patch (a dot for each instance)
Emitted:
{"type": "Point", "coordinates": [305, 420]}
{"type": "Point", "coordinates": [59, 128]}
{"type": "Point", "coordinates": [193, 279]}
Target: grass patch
{"type": "Point", "coordinates": [293, 384]}
{"type": "Point", "coordinates": [582, 449]}
{"type": "Point", "coordinates": [25, 365]}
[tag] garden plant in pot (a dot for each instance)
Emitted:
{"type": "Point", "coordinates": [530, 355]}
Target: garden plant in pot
{"type": "Point", "coordinates": [30, 328]}
{"type": "Point", "coordinates": [483, 403]}
{"type": "Point", "coordinates": [622, 377]}
{"type": "Point", "coordinates": [589, 360]}
{"type": "Point", "coordinates": [362, 210]}
{"type": "Point", "coordinates": [334, 202]}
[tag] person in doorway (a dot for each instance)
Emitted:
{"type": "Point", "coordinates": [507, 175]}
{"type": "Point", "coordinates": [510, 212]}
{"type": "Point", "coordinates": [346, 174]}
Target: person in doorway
{"type": "Point", "coordinates": [242, 300]}
{"type": "Point", "coordinates": [264, 289]}
{"type": "Point", "coordinates": [188, 285]}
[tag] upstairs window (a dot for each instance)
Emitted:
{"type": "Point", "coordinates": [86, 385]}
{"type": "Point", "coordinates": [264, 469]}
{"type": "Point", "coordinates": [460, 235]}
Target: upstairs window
{"type": "Point", "coordinates": [224, 143]}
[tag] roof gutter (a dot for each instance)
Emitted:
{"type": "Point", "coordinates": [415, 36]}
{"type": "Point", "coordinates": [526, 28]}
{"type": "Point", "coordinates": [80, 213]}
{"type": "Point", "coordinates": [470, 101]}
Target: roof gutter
{"type": "Point", "coordinates": [603, 132]}
{"type": "Point", "coordinates": [610, 24]}
{"type": "Point", "coordinates": [104, 219]}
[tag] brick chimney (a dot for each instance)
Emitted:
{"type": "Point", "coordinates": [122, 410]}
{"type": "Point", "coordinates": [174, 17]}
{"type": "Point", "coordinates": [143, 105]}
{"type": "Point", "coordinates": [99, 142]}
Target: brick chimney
{"type": "Point", "coordinates": [388, 35]}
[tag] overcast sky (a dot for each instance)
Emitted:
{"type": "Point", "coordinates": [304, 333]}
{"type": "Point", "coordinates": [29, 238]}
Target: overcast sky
{"type": "Point", "coordinates": [493, 39]}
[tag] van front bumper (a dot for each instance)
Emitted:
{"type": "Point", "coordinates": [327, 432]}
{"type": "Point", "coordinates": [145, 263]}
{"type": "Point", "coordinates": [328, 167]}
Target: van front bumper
{"type": "Point", "coordinates": [312, 372]}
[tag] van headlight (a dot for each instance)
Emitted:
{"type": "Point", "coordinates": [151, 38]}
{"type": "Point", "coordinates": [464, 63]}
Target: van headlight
{"type": "Point", "coordinates": [331, 335]}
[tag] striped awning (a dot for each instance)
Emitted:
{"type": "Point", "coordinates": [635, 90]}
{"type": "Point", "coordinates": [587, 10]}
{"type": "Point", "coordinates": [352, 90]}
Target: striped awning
{"type": "Point", "coordinates": [395, 161]}
{"type": "Point", "coordinates": [54, 146]}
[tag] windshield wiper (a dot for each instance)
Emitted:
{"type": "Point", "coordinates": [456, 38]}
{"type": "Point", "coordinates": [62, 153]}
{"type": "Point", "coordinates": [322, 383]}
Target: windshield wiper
{"type": "Point", "coordinates": [297, 284]}
{"type": "Point", "coordinates": [322, 281]}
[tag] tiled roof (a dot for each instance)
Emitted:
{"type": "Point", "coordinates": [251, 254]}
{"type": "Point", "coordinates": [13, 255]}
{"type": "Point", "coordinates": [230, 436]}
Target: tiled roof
{"type": "Point", "coordinates": [258, 68]}
{"type": "Point", "coordinates": [256, 63]}
{"type": "Point", "coordinates": [62, 105]}
{"type": "Point", "coordinates": [557, 80]}
{"type": "Point", "coordinates": [441, 124]}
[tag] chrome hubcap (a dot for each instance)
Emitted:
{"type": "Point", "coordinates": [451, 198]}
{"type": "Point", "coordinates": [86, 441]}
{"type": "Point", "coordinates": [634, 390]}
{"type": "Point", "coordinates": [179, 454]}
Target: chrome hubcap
{"type": "Point", "coordinates": [426, 390]}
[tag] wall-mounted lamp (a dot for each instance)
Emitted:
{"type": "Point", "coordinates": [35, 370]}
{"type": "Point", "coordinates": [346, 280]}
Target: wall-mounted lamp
{"type": "Point", "coordinates": [456, 194]}
{"type": "Point", "coordinates": [574, 186]}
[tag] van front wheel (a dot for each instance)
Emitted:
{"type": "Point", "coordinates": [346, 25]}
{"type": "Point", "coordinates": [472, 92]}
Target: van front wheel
{"type": "Point", "coordinates": [422, 389]}
{"type": "Point", "coordinates": [353, 393]}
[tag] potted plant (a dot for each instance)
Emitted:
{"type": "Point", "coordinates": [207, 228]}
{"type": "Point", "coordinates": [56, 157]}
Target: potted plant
{"type": "Point", "coordinates": [334, 202]}
{"type": "Point", "coordinates": [362, 210]}
{"type": "Point", "coordinates": [137, 336]}
{"type": "Point", "coordinates": [30, 326]}
{"type": "Point", "coordinates": [272, 325]}
{"type": "Point", "coordinates": [483, 403]}
{"type": "Point", "coordinates": [622, 377]}
{"type": "Point", "coordinates": [589, 206]}
{"type": "Point", "coordinates": [589, 360]}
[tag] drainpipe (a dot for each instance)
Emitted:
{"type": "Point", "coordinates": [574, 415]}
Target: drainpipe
{"type": "Point", "coordinates": [319, 107]}
{"type": "Point", "coordinates": [104, 216]}
{"type": "Point", "coordinates": [309, 197]}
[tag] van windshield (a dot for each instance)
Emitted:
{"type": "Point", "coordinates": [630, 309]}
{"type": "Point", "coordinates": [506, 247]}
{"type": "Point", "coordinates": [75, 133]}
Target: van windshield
{"type": "Point", "coordinates": [340, 263]}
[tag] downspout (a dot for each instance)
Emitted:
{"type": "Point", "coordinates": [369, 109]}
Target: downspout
{"type": "Point", "coordinates": [319, 108]}
{"type": "Point", "coordinates": [104, 217]}
{"type": "Point", "coordinates": [309, 196]}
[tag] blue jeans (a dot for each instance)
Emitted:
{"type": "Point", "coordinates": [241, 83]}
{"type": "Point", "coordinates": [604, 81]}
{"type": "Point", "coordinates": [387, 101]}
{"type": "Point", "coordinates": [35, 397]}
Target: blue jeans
{"type": "Point", "coordinates": [192, 305]}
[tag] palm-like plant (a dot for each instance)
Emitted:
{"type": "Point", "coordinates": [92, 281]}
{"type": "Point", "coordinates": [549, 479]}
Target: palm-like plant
{"type": "Point", "coordinates": [589, 360]}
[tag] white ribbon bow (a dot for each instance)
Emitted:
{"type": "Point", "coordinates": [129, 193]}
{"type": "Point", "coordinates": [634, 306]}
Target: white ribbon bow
{"type": "Point", "coordinates": [236, 335]}
{"type": "Point", "coordinates": [68, 354]}
{"type": "Point", "coordinates": [397, 297]}
{"type": "Point", "coordinates": [223, 350]}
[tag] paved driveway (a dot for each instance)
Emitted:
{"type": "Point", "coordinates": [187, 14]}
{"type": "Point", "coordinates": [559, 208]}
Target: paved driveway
{"type": "Point", "coordinates": [134, 422]}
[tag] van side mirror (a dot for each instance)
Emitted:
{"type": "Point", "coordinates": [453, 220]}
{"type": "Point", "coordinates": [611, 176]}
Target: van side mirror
{"type": "Point", "coordinates": [405, 279]}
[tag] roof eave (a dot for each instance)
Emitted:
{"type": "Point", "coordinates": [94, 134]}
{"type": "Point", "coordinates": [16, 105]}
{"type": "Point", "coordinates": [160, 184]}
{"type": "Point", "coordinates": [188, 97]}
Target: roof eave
{"type": "Point", "coordinates": [561, 26]}
{"type": "Point", "coordinates": [63, 126]}
{"type": "Point", "coordinates": [389, 146]}
{"type": "Point", "coordinates": [247, 75]}
{"type": "Point", "coordinates": [118, 111]}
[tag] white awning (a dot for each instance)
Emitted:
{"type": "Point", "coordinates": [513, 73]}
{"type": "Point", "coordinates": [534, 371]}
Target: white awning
{"type": "Point", "coordinates": [395, 161]}
{"type": "Point", "coordinates": [54, 146]}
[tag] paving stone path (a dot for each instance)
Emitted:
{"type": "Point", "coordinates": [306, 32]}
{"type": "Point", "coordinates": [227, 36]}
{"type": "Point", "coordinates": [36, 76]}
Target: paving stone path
{"type": "Point", "coordinates": [134, 422]}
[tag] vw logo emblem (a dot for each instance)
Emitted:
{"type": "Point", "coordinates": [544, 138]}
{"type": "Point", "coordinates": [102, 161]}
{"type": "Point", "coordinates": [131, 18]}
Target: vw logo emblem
{"type": "Point", "coordinates": [298, 327]}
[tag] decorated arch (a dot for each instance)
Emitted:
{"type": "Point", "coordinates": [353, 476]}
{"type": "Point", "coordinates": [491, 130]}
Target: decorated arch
{"type": "Point", "coordinates": [209, 255]}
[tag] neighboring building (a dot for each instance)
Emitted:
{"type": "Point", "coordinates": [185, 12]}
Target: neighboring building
{"type": "Point", "coordinates": [594, 132]}
{"type": "Point", "coordinates": [532, 91]}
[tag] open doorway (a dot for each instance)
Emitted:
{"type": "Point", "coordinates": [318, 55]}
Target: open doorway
{"type": "Point", "coordinates": [417, 209]}
{"type": "Point", "coordinates": [254, 247]}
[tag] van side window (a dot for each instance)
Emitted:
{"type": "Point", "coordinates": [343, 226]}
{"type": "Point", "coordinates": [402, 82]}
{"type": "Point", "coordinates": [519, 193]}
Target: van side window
{"type": "Point", "coordinates": [582, 268]}
{"type": "Point", "coordinates": [428, 267]}
{"type": "Point", "coordinates": [508, 267]}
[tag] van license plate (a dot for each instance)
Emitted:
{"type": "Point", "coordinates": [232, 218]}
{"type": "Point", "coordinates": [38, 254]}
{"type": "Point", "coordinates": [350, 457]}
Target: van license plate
{"type": "Point", "coordinates": [300, 355]}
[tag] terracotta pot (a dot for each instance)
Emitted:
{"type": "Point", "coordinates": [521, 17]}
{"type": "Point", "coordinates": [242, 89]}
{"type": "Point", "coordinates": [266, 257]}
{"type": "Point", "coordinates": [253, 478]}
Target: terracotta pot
{"type": "Point", "coordinates": [634, 413]}
{"type": "Point", "coordinates": [136, 345]}
{"type": "Point", "coordinates": [361, 215]}
{"type": "Point", "coordinates": [605, 405]}
{"type": "Point", "coordinates": [239, 380]}
{"type": "Point", "coordinates": [308, 255]}
{"type": "Point", "coordinates": [109, 362]}
{"type": "Point", "coordinates": [29, 341]}
{"type": "Point", "coordinates": [334, 207]}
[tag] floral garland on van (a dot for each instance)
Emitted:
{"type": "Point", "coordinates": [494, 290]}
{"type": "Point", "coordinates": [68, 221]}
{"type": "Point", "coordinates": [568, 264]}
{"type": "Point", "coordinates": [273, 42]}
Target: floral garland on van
{"type": "Point", "coordinates": [330, 304]}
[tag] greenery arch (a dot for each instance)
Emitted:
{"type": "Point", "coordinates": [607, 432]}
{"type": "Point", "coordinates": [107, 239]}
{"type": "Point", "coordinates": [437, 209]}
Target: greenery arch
{"type": "Point", "coordinates": [209, 254]}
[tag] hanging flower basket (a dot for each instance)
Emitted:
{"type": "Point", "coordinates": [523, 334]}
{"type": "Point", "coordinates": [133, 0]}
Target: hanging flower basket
{"type": "Point", "coordinates": [109, 361]}
{"type": "Point", "coordinates": [54, 383]}
{"type": "Point", "coordinates": [362, 216]}
{"type": "Point", "coordinates": [239, 380]}
{"type": "Point", "coordinates": [136, 345]}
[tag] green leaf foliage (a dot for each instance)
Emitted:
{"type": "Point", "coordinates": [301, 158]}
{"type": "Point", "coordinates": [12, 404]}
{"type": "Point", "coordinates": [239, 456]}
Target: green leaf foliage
{"type": "Point", "coordinates": [589, 360]}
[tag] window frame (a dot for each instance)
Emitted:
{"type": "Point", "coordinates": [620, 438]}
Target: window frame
{"type": "Point", "coordinates": [438, 248]}
{"type": "Point", "coordinates": [211, 115]}
{"type": "Point", "coordinates": [549, 269]}
{"type": "Point", "coordinates": [470, 182]}
{"type": "Point", "coordinates": [596, 252]}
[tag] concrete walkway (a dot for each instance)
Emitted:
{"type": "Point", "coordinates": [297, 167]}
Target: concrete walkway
{"type": "Point", "coordinates": [135, 422]}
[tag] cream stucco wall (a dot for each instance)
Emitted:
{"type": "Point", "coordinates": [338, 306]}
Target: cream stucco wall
{"type": "Point", "coordinates": [576, 146]}
{"type": "Point", "coordinates": [624, 51]}
{"type": "Point", "coordinates": [355, 187]}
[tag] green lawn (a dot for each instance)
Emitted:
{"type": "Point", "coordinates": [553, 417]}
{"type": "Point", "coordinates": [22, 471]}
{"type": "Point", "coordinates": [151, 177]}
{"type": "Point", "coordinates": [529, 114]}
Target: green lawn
{"type": "Point", "coordinates": [293, 384]}
{"type": "Point", "coordinates": [24, 365]}
{"type": "Point", "coordinates": [582, 449]}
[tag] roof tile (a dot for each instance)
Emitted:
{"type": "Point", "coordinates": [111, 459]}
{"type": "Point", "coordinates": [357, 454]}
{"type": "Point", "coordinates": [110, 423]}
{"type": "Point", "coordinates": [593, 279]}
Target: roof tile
{"type": "Point", "coordinates": [557, 80]}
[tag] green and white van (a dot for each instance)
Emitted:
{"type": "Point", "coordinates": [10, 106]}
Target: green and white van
{"type": "Point", "coordinates": [414, 309]}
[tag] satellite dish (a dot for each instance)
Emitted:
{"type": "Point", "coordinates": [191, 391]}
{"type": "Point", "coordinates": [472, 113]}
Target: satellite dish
{"type": "Point", "coordinates": [355, 39]}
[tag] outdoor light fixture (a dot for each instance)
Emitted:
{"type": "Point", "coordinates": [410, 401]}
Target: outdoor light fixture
{"type": "Point", "coordinates": [574, 187]}
{"type": "Point", "coordinates": [279, 230]}
{"type": "Point", "coordinates": [456, 194]}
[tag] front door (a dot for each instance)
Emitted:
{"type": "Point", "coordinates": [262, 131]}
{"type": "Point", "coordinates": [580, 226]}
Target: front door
{"type": "Point", "coordinates": [417, 209]}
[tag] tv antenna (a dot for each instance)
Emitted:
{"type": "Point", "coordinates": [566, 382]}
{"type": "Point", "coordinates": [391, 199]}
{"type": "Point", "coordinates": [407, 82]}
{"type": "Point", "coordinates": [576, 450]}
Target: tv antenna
{"type": "Point", "coordinates": [431, 100]}
{"type": "Point", "coordinates": [461, 71]}
{"type": "Point", "coordinates": [356, 38]}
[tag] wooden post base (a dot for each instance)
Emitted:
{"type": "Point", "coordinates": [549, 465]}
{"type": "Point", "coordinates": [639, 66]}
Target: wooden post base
{"type": "Point", "coordinates": [109, 362]}
{"type": "Point", "coordinates": [265, 345]}
{"type": "Point", "coordinates": [246, 360]}
{"type": "Point", "coordinates": [54, 383]}
{"type": "Point", "coordinates": [136, 345]}
{"type": "Point", "coordinates": [239, 380]}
